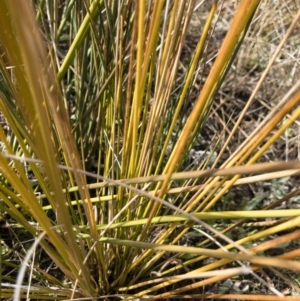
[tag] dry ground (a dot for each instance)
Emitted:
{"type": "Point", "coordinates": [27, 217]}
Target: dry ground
{"type": "Point", "coordinates": [268, 28]}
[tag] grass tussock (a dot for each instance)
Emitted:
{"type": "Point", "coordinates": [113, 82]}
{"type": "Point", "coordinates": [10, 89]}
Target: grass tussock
{"type": "Point", "coordinates": [149, 150]}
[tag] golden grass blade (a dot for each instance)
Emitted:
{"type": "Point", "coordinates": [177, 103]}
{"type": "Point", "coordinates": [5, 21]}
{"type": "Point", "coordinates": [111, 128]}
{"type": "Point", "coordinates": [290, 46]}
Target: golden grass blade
{"type": "Point", "coordinates": [240, 21]}
{"type": "Point", "coordinates": [35, 80]}
{"type": "Point", "coordinates": [259, 260]}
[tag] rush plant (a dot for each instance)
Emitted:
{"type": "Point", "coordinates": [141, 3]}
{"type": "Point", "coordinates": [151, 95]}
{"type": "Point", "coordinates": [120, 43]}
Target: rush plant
{"type": "Point", "coordinates": [99, 129]}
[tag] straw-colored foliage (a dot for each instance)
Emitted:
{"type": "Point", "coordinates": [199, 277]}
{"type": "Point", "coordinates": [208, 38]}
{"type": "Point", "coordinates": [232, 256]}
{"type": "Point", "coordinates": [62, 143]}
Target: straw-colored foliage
{"type": "Point", "coordinates": [127, 129]}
